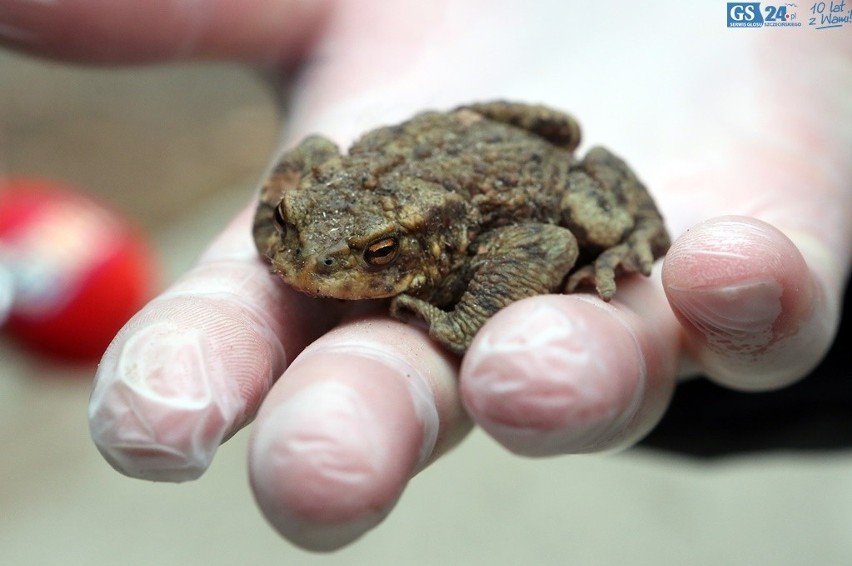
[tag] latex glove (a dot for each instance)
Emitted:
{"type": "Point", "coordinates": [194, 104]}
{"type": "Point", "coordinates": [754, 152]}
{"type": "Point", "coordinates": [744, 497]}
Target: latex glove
{"type": "Point", "coordinates": [349, 407]}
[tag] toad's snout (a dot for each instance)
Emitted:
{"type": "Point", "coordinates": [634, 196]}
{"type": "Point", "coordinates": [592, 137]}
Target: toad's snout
{"type": "Point", "coordinates": [331, 259]}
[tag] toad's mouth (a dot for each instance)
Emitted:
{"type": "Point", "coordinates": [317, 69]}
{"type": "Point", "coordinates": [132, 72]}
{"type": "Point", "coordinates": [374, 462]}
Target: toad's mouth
{"type": "Point", "coordinates": [349, 284]}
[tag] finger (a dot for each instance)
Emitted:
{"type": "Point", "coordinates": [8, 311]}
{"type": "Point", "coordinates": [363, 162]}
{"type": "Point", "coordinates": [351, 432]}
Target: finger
{"type": "Point", "coordinates": [351, 420]}
{"type": "Point", "coordinates": [191, 368]}
{"type": "Point", "coordinates": [156, 30]}
{"type": "Point", "coordinates": [753, 314]}
{"type": "Point", "coordinates": [569, 374]}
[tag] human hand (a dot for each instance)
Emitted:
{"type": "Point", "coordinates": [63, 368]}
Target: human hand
{"type": "Point", "coordinates": [348, 406]}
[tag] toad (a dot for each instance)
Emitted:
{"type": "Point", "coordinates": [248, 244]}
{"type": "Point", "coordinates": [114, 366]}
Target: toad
{"type": "Point", "coordinates": [455, 215]}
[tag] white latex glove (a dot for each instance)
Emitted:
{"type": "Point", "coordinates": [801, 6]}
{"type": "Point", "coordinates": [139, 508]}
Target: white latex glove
{"type": "Point", "coordinates": [349, 407]}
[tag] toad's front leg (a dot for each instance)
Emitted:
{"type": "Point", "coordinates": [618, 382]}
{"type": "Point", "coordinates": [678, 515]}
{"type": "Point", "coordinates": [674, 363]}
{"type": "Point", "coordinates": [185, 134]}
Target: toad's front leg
{"type": "Point", "coordinates": [511, 263]}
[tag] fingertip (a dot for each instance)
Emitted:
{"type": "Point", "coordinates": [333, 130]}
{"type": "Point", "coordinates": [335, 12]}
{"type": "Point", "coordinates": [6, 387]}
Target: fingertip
{"type": "Point", "coordinates": [321, 466]}
{"type": "Point", "coordinates": [342, 432]}
{"type": "Point", "coordinates": [753, 315]}
{"type": "Point", "coordinates": [192, 367]}
{"type": "Point", "coordinates": [167, 392]}
{"type": "Point", "coordinates": [559, 374]}
{"type": "Point", "coordinates": [145, 427]}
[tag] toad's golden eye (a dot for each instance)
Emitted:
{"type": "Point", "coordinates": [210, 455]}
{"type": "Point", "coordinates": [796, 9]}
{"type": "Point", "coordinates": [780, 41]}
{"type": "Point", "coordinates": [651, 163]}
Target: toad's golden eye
{"type": "Point", "coordinates": [381, 252]}
{"type": "Point", "coordinates": [278, 219]}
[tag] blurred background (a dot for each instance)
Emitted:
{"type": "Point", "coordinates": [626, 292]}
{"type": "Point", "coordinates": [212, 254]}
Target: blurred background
{"type": "Point", "coordinates": [179, 150]}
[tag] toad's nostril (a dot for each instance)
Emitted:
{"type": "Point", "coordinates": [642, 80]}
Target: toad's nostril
{"type": "Point", "coordinates": [328, 262]}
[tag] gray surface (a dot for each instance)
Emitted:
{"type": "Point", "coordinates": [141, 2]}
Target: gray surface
{"type": "Point", "coordinates": [60, 503]}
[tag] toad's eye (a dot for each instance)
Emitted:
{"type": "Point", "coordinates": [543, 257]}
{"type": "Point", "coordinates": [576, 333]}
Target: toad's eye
{"type": "Point", "coordinates": [381, 252]}
{"type": "Point", "coordinates": [278, 219]}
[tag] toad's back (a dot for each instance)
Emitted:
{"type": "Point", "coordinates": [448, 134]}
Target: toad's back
{"type": "Point", "coordinates": [507, 173]}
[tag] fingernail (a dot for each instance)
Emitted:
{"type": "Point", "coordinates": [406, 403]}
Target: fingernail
{"type": "Point", "coordinates": [158, 409]}
{"type": "Point", "coordinates": [737, 316]}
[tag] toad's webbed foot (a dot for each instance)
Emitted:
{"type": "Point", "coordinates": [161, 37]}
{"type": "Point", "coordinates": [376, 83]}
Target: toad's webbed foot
{"type": "Point", "coordinates": [632, 256]}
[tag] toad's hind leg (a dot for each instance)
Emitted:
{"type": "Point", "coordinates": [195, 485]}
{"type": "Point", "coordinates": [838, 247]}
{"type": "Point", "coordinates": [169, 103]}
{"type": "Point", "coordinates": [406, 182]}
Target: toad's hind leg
{"type": "Point", "coordinates": [556, 127]}
{"type": "Point", "coordinates": [639, 246]}
{"type": "Point", "coordinates": [511, 263]}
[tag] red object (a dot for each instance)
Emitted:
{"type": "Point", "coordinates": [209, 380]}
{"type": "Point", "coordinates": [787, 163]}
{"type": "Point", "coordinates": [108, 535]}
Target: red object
{"type": "Point", "coordinates": [80, 269]}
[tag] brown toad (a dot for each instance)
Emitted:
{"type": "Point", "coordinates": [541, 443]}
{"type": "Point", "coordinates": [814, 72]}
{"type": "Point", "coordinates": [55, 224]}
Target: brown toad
{"type": "Point", "coordinates": [455, 215]}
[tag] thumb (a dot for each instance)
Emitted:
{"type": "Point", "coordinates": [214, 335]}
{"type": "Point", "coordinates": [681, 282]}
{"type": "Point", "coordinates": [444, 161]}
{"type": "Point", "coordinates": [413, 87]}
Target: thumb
{"type": "Point", "coordinates": [159, 30]}
{"type": "Point", "coordinates": [754, 316]}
